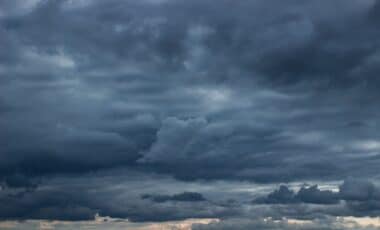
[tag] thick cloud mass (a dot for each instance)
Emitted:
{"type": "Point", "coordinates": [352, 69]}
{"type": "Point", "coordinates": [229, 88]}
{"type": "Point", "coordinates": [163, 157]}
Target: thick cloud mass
{"type": "Point", "coordinates": [184, 197]}
{"type": "Point", "coordinates": [350, 190]}
{"type": "Point", "coordinates": [260, 91]}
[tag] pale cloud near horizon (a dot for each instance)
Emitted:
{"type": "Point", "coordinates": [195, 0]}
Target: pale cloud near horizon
{"type": "Point", "coordinates": [363, 223]}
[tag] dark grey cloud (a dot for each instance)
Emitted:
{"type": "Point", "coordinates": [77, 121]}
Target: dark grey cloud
{"type": "Point", "coordinates": [282, 195]}
{"type": "Point", "coordinates": [19, 181]}
{"type": "Point", "coordinates": [110, 194]}
{"type": "Point", "coordinates": [311, 194]}
{"type": "Point", "coordinates": [184, 197]}
{"type": "Point", "coordinates": [119, 194]}
{"type": "Point", "coordinates": [99, 83]}
{"type": "Point", "coordinates": [260, 91]}
{"type": "Point", "coordinates": [355, 198]}
{"type": "Point", "coordinates": [316, 196]}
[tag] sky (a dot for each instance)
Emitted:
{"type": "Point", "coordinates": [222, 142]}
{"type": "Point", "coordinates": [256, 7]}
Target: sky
{"type": "Point", "coordinates": [201, 114]}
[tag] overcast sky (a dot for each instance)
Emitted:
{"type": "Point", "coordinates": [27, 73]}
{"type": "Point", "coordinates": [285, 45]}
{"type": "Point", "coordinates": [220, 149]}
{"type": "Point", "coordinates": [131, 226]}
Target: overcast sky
{"type": "Point", "coordinates": [259, 114]}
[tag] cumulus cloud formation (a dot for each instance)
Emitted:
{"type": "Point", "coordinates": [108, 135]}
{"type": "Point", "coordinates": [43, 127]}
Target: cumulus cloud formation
{"type": "Point", "coordinates": [354, 198]}
{"type": "Point", "coordinates": [350, 190]}
{"type": "Point", "coordinates": [228, 93]}
{"type": "Point", "coordinates": [311, 195]}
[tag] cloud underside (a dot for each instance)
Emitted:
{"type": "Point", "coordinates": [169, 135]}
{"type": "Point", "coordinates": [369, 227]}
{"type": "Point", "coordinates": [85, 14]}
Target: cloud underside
{"type": "Point", "coordinates": [146, 198]}
{"type": "Point", "coordinates": [264, 92]}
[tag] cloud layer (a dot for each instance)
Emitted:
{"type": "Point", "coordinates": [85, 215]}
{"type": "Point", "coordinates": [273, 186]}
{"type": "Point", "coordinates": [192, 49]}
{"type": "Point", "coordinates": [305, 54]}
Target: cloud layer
{"type": "Point", "coordinates": [260, 92]}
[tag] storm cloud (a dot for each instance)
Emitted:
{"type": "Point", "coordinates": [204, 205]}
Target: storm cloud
{"type": "Point", "coordinates": [221, 92]}
{"type": "Point", "coordinates": [184, 197]}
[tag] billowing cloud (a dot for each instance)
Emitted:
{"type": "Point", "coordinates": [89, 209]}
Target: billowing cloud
{"type": "Point", "coordinates": [264, 92]}
{"type": "Point", "coordinates": [114, 84]}
{"type": "Point", "coordinates": [354, 198]}
{"type": "Point", "coordinates": [310, 194]}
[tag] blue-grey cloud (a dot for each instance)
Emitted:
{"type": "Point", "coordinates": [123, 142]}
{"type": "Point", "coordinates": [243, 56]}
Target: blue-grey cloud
{"type": "Point", "coordinates": [182, 197]}
{"type": "Point", "coordinates": [260, 91]}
